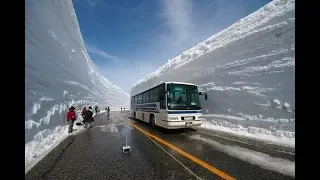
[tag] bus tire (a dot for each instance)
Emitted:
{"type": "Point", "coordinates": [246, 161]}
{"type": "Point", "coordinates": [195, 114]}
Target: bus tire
{"type": "Point", "coordinates": [134, 115]}
{"type": "Point", "coordinates": [152, 121]}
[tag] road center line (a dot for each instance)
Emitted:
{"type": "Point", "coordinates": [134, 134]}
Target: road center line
{"type": "Point", "coordinates": [185, 154]}
{"type": "Point", "coordinates": [173, 157]}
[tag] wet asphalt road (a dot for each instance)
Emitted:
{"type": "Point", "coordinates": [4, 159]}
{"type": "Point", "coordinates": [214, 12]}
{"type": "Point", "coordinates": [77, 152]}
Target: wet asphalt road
{"type": "Point", "coordinates": [96, 153]}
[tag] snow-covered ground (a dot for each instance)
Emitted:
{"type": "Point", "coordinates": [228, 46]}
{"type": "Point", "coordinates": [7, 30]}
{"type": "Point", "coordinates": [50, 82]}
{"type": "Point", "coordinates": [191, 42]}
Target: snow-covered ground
{"type": "Point", "coordinates": [265, 161]}
{"type": "Point", "coordinates": [59, 73]}
{"type": "Point", "coordinates": [248, 70]}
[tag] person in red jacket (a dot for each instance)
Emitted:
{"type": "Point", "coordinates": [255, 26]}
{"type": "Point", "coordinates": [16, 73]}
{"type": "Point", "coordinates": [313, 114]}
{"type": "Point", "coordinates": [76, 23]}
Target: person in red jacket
{"type": "Point", "coordinates": [71, 117]}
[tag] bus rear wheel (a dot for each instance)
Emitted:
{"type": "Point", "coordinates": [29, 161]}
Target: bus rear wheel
{"type": "Point", "coordinates": [134, 116]}
{"type": "Point", "coordinates": [152, 121]}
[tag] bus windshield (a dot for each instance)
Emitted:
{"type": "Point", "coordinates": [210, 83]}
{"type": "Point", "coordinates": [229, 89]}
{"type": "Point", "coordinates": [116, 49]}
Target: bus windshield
{"type": "Point", "coordinates": [183, 97]}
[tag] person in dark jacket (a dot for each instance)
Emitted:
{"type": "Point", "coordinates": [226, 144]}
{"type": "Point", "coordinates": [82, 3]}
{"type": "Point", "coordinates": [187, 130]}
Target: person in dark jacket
{"type": "Point", "coordinates": [88, 118]}
{"type": "Point", "coordinates": [96, 109]}
{"type": "Point", "coordinates": [71, 117]}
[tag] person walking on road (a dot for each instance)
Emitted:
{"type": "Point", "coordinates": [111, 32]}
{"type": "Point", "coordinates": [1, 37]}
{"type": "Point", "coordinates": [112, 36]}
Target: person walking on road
{"type": "Point", "coordinates": [83, 112]}
{"type": "Point", "coordinates": [96, 108]}
{"type": "Point", "coordinates": [71, 117]}
{"type": "Point", "coordinates": [88, 118]}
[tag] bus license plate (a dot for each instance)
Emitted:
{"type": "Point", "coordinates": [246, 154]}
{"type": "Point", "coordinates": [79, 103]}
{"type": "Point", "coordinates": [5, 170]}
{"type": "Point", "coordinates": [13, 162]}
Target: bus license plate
{"type": "Point", "coordinates": [189, 124]}
{"type": "Point", "coordinates": [188, 118]}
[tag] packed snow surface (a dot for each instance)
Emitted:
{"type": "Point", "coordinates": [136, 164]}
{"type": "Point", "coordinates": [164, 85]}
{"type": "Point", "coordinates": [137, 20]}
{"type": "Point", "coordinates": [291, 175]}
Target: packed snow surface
{"type": "Point", "coordinates": [59, 73]}
{"type": "Point", "coordinates": [265, 161]}
{"type": "Point", "coordinates": [248, 71]}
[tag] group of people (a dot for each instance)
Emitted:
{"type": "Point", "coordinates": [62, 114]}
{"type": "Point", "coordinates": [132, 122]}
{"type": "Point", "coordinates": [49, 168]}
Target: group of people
{"type": "Point", "coordinates": [87, 115]}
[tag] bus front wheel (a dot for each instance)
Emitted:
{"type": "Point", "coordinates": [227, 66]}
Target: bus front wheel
{"type": "Point", "coordinates": [134, 116]}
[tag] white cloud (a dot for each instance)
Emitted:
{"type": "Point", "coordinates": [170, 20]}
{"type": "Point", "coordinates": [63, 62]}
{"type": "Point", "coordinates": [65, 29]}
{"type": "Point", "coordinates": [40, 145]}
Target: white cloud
{"type": "Point", "coordinates": [124, 75]}
{"type": "Point", "coordinates": [178, 15]}
{"type": "Point", "coordinates": [93, 50]}
{"type": "Point", "coordinates": [91, 3]}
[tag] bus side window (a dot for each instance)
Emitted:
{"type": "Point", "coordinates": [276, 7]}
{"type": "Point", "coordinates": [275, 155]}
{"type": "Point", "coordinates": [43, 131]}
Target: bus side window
{"type": "Point", "coordinates": [143, 97]}
{"type": "Point", "coordinates": [156, 94]}
{"type": "Point", "coordinates": [140, 99]}
{"type": "Point", "coordinates": [162, 97]}
{"type": "Point", "coordinates": [147, 96]}
{"type": "Point", "coordinates": [151, 95]}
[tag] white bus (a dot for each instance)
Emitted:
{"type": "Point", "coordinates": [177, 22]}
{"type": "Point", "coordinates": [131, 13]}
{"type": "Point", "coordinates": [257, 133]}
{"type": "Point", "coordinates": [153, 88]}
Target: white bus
{"type": "Point", "coordinates": [171, 105]}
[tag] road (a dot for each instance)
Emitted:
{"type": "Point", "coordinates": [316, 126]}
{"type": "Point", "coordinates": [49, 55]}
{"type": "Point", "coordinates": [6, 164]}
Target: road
{"type": "Point", "coordinates": [96, 153]}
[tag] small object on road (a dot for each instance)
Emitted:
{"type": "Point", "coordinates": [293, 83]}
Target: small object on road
{"type": "Point", "coordinates": [78, 124]}
{"type": "Point", "coordinates": [126, 148]}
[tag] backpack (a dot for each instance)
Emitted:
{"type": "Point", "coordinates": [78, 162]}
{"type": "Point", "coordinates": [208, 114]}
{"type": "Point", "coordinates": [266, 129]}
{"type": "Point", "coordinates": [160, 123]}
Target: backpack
{"type": "Point", "coordinates": [88, 115]}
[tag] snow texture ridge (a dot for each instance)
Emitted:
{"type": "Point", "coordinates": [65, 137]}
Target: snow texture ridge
{"type": "Point", "coordinates": [257, 158]}
{"type": "Point", "coordinates": [248, 70]}
{"type": "Point", "coordinates": [59, 73]}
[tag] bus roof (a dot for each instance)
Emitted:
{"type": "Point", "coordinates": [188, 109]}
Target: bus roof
{"type": "Point", "coordinates": [180, 83]}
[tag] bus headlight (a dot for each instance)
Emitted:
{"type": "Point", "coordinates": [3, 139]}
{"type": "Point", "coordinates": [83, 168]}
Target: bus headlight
{"type": "Point", "coordinates": [173, 118]}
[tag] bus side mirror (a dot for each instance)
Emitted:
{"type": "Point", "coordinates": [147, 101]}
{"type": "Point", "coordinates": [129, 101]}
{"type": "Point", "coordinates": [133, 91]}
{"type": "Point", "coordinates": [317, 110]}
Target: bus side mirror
{"type": "Point", "coordinates": [205, 95]}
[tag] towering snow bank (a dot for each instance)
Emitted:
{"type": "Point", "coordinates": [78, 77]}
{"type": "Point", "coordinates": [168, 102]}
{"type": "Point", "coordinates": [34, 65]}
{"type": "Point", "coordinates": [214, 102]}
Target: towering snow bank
{"type": "Point", "coordinates": [59, 73]}
{"type": "Point", "coordinates": [247, 69]}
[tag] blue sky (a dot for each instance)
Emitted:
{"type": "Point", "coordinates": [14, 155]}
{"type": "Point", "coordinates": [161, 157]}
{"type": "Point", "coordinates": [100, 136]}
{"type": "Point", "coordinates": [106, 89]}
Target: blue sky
{"type": "Point", "coordinates": [128, 39]}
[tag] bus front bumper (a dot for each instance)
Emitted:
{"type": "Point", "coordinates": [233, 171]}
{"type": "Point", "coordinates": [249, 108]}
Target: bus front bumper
{"type": "Point", "coordinates": [180, 124]}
